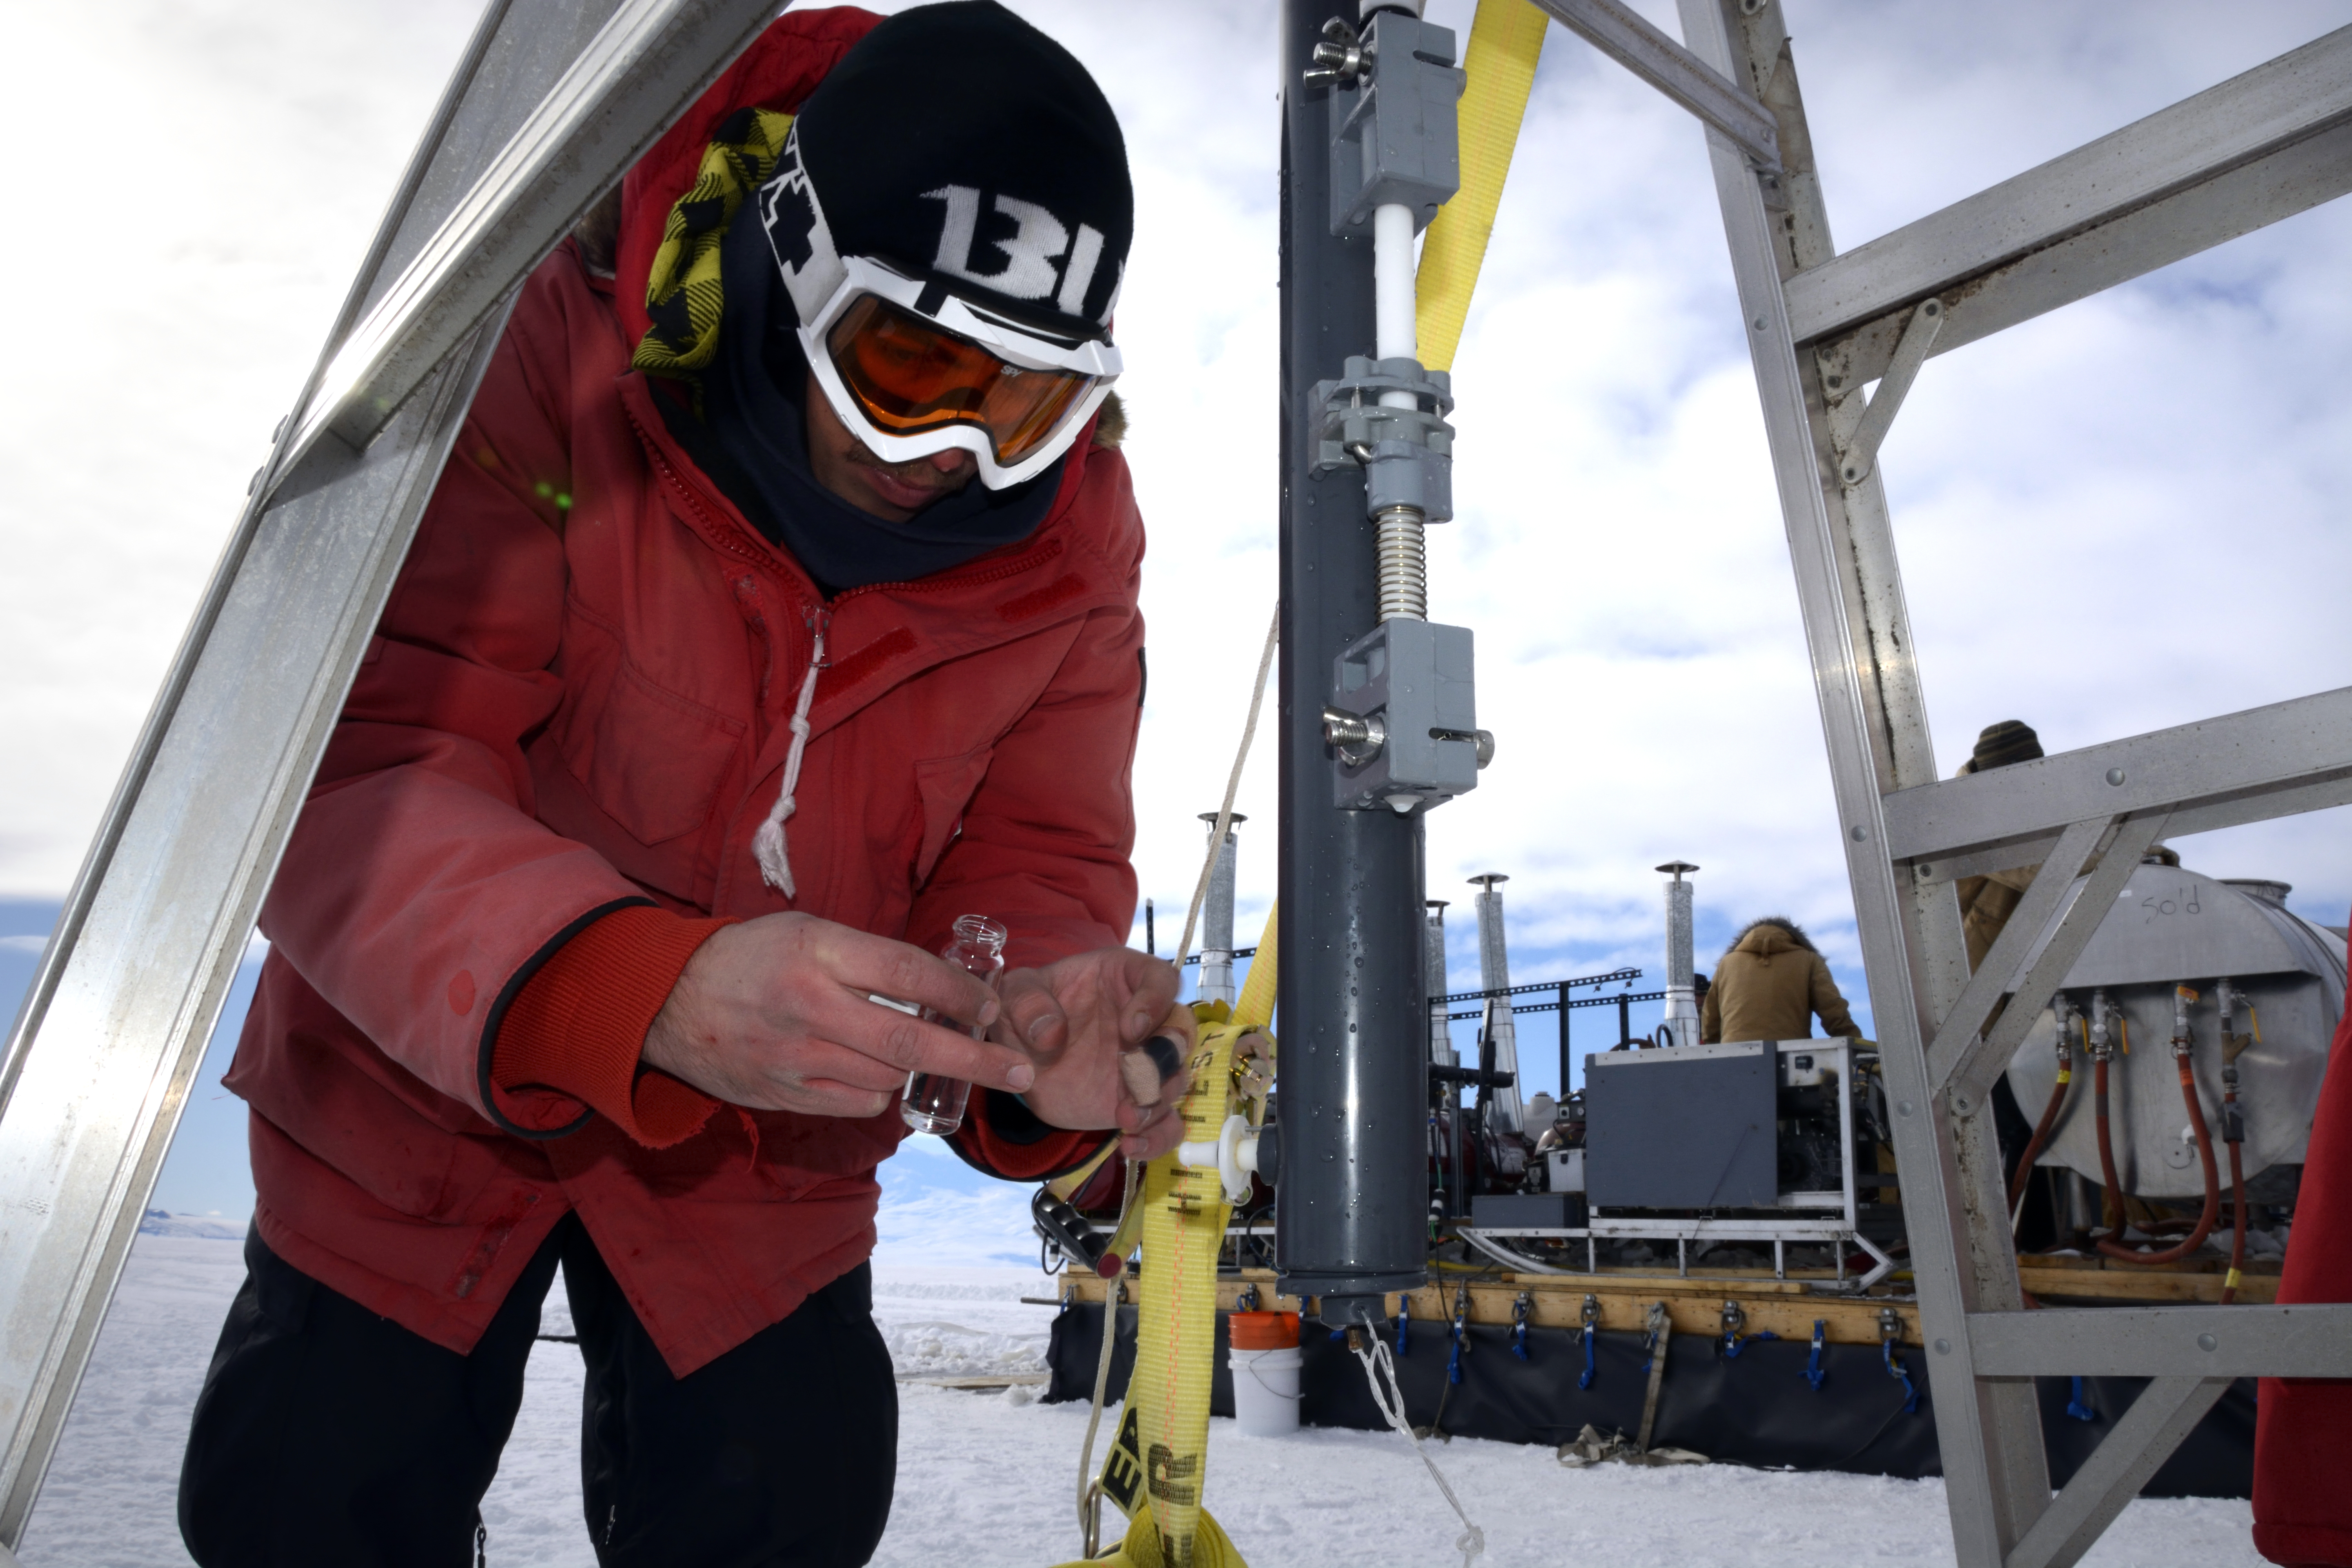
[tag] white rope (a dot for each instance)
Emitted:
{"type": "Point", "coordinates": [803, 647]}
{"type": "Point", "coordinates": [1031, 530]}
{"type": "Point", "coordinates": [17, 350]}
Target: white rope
{"type": "Point", "coordinates": [1377, 1362]}
{"type": "Point", "coordinates": [1086, 1481]}
{"type": "Point", "coordinates": [1233, 786]}
{"type": "Point", "coordinates": [767, 844]}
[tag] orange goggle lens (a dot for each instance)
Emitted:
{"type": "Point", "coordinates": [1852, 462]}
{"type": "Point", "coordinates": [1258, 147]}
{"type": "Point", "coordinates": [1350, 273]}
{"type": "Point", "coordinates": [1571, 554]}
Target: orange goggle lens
{"type": "Point", "coordinates": [908, 377]}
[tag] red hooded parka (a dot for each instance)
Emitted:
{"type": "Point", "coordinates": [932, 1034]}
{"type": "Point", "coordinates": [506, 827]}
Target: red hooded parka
{"type": "Point", "coordinates": [577, 702]}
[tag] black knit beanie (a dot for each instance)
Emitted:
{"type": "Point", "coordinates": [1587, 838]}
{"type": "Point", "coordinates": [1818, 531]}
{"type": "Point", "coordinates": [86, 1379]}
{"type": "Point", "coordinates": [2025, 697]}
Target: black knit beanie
{"type": "Point", "coordinates": [961, 145]}
{"type": "Point", "coordinates": [2010, 741]}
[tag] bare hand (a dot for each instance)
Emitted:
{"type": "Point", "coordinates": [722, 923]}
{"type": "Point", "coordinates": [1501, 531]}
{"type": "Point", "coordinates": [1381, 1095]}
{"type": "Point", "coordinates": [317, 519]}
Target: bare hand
{"type": "Point", "coordinates": [1077, 1018]}
{"type": "Point", "coordinates": [773, 1013]}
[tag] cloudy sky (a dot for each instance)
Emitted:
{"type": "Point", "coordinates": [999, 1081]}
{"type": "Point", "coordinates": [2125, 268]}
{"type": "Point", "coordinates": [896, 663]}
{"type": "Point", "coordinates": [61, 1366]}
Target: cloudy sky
{"type": "Point", "coordinates": [2124, 515]}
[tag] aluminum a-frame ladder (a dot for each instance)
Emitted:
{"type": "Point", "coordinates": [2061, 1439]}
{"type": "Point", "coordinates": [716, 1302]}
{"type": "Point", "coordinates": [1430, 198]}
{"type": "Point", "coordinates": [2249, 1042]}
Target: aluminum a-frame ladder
{"type": "Point", "coordinates": [1821, 326]}
{"type": "Point", "coordinates": [550, 103]}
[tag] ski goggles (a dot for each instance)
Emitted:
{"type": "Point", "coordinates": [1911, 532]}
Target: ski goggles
{"type": "Point", "coordinates": [915, 371]}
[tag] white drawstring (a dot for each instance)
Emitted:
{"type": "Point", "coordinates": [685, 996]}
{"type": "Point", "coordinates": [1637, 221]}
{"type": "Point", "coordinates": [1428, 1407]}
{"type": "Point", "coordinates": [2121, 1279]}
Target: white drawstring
{"type": "Point", "coordinates": [767, 844]}
{"type": "Point", "coordinates": [1390, 1401]}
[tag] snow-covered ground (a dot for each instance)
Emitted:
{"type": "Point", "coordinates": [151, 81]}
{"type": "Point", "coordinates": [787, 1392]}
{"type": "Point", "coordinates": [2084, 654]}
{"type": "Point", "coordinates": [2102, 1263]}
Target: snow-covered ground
{"type": "Point", "coordinates": [986, 1478]}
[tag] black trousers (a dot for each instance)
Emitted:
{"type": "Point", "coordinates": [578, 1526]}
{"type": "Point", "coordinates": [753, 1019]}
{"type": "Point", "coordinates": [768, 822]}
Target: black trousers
{"type": "Point", "coordinates": [328, 1434]}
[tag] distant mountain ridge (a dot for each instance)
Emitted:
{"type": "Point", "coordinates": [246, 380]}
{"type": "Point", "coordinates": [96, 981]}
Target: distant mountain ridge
{"type": "Point", "coordinates": [191, 1226]}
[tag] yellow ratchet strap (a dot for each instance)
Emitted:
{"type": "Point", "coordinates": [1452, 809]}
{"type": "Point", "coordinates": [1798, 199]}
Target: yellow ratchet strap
{"type": "Point", "coordinates": [1505, 39]}
{"type": "Point", "coordinates": [1157, 1467]}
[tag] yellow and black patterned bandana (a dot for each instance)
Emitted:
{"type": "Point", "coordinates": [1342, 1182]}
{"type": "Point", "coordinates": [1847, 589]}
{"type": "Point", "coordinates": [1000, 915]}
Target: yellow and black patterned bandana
{"type": "Point", "coordinates": [683, 293]}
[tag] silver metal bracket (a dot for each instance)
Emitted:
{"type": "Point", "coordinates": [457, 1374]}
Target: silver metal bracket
{"type": "Point", "coordinates": [1404, 719]}
{"type": "Point", "coordinates": [1858, 451]}
{"type": "Point", "coordinates": [1393, 137]}
{"type": "Point", "coordinates": [1407, 454]}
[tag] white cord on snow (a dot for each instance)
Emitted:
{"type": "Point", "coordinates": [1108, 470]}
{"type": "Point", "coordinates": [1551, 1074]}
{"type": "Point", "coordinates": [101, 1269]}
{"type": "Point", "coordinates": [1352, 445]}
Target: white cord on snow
{"type": "Point", "coordinates": [1102, 1373]}
{"type": "Point", "coordinates": [767, 844]}
{"type": "Point", "coordinates": [1377, 1362]}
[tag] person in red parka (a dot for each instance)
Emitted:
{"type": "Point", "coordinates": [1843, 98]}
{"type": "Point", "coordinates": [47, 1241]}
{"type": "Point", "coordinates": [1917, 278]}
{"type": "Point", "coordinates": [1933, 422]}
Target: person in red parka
{"type": "Point", "coordinates": [777, 607]}
{"type": "Point", "coordinates": [2302, 1426]}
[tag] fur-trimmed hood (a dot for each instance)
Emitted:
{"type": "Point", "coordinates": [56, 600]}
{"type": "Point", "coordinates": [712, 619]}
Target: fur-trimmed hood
{"type": "Point", "coordinates": [1770, 934]}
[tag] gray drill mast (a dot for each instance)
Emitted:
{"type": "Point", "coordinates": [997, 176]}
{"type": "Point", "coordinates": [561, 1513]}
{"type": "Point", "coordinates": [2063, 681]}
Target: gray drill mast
{"type": "Point", "coordinates": [553, 99]}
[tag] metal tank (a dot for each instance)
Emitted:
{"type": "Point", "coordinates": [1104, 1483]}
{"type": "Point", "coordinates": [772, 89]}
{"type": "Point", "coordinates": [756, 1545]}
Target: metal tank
{"type": "Point", "coordinates": [2173, 926]}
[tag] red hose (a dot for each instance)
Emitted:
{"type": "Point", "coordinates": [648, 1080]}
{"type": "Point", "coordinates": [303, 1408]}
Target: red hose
{"type": "Point", "coordinates": [2033, 1145]}
{"type": "Point", "coordinates": [2114, 1194]}
{"type": "Point", "coordinates": [2195, 1238]}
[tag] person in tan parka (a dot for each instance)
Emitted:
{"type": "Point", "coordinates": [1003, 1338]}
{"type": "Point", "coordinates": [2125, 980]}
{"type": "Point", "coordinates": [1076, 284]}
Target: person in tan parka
{"type": "Point", "coordinates": [1770, 985]}
{"type": "Point", "coordinates": [1988, 901]}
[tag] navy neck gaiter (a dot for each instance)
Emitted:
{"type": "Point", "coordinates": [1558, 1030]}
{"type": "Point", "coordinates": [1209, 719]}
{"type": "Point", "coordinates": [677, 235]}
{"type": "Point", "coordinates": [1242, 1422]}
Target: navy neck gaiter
{"type": "Point", "coordinates": [753, 441]}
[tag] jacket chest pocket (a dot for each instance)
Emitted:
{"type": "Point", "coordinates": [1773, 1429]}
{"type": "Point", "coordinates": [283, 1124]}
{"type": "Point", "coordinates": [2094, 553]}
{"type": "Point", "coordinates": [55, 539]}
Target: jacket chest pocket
{"type": "Point", "coordinates": [652, 759]}
{"type": "Point", "coordinates": [945, 785]}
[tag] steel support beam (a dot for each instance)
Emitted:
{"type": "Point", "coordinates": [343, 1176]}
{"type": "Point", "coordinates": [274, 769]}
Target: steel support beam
{"type": "Point", "coordinates": [2197, 772]}
{"type": "Point", "coordinates": [2160, 1342]}
{"type": "Point", "coordinates": [1625, 36]}
{"type": "Point", "coordinates": [1874, 720]}
{"type": "Point", "coordinates": [1352, 1206]}
{"type": "Point", "coordinates": [1820, 327]}
{"type": "Point", "coordinates": [97, 1065]}
{"type": "Point", "coordinates": [639, 72]}
{"type": "Point", "coordinates": [2166, 1410]}
{"type": "Point", "coordinates": [2259, 147]}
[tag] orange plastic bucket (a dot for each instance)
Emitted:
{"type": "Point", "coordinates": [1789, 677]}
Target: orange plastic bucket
{"type": "Point", "coordinates": [1265, 1330]}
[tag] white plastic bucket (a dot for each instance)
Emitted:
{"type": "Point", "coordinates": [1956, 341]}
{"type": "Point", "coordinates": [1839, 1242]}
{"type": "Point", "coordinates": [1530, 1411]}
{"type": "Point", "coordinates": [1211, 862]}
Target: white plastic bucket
{"type": "Point", "coordinates": [1265, 1392]}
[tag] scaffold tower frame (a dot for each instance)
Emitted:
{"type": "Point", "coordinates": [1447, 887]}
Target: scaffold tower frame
{"type": "Point", "coordinates": [553, 99]}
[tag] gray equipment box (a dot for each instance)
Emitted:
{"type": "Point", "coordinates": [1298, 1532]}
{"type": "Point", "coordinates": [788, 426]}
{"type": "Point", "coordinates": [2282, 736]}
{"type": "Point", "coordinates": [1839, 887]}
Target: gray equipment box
{"type": "Point", "coordinates": [1526, 1211]}
{"type": "Point", "coordinates": [1689, 1127]}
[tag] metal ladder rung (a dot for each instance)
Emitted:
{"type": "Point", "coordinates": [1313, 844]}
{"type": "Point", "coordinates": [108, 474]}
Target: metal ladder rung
{"type": "Point", "coordinates": [2305, 1340]}
{"type": "Point", "coordinates": [2151, 162]}
{"type": "Point", "coordinates": [2237, 760]}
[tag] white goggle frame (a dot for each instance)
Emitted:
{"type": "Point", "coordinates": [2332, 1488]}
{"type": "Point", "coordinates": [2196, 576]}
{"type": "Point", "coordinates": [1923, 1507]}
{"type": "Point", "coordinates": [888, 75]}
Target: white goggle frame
{"type": "Point", "coordinates": [1008, 340]}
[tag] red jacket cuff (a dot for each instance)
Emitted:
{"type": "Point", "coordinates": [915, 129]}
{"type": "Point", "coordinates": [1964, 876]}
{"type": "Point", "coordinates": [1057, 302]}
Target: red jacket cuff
{"type": "Point", "coordinates": [1005, 1140]}
{"type": "Point", "coordinates": [578, 1026]}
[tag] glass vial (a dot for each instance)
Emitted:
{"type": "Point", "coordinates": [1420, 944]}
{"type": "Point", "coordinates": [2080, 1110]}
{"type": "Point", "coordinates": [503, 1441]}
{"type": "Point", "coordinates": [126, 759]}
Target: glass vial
{"type": "Point", "coordinates": [934, 1103]}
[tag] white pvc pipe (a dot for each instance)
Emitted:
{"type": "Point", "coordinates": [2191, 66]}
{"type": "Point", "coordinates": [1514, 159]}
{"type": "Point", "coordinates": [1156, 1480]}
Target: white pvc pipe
{"type": "Point", "coordinates": [1394, 332]}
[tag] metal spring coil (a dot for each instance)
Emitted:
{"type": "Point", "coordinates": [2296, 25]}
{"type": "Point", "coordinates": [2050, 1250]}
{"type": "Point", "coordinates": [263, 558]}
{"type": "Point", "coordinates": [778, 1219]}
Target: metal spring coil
{"type": "Point", "coordinates": [1403, 566]}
